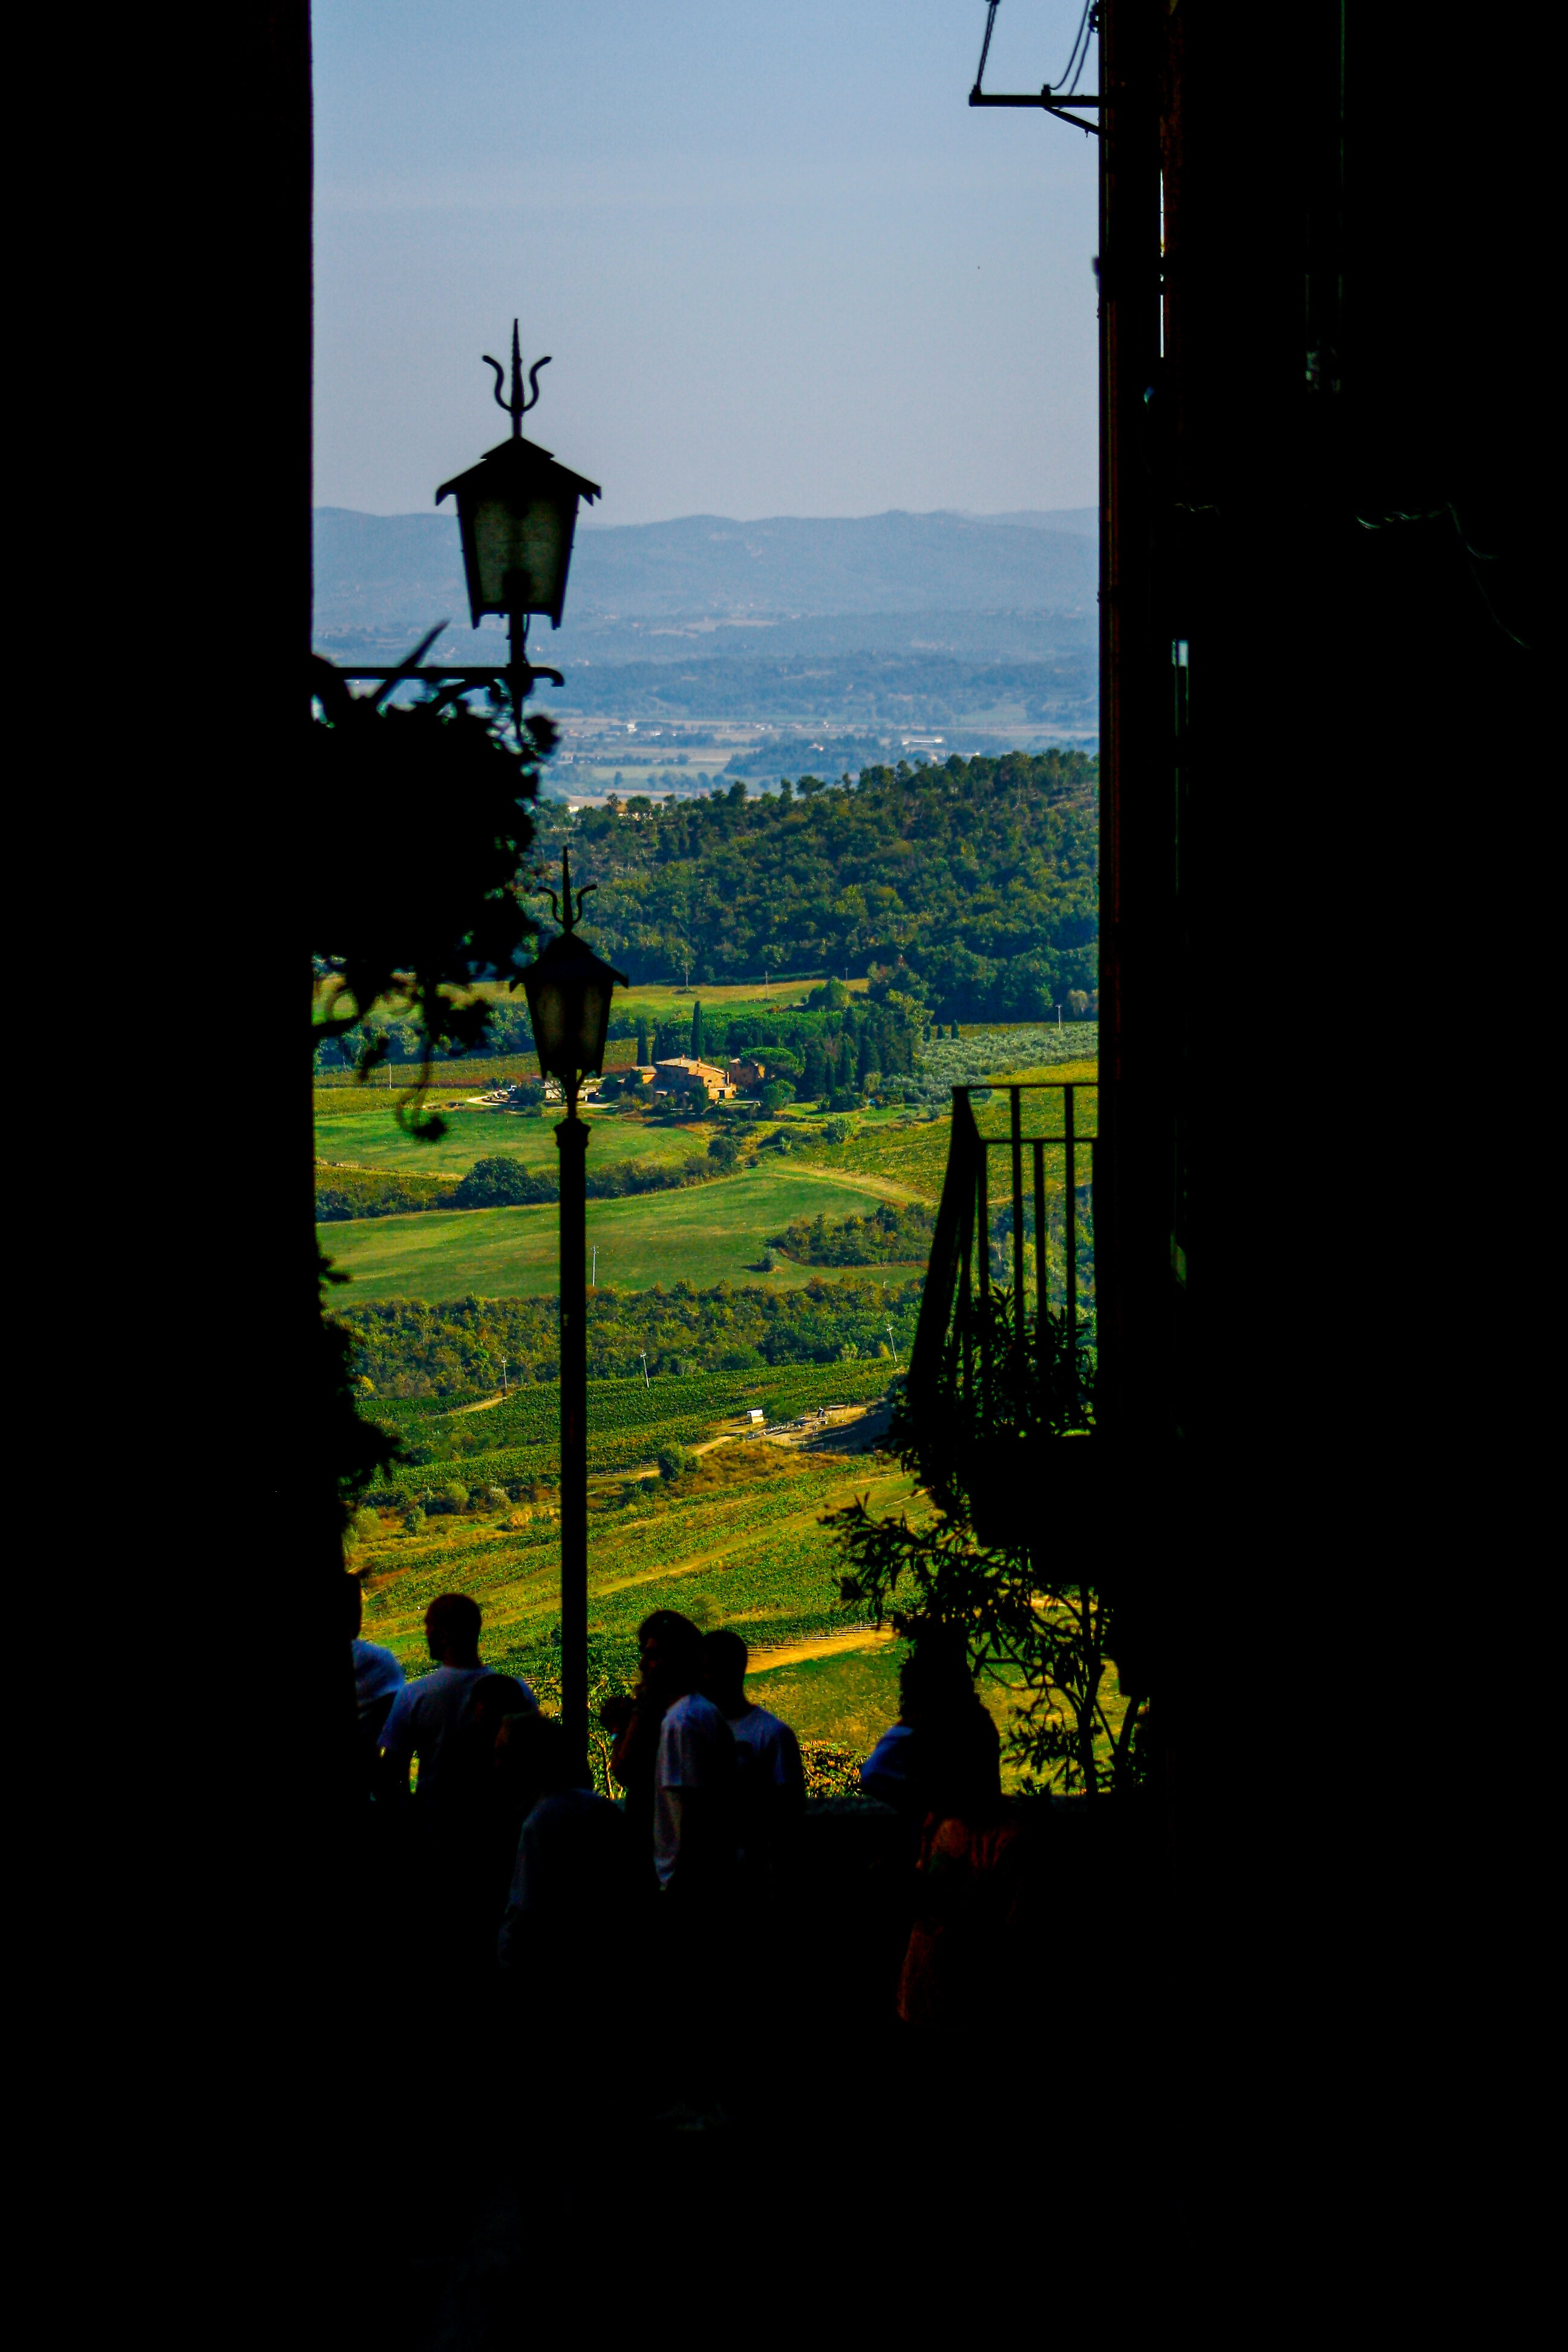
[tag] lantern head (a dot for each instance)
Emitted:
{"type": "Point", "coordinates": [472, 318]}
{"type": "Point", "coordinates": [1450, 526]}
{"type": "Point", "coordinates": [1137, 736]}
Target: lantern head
{"type": "Point", "coordinates": [517, 511]}
{"type": "Point", "coordinates": [569, 988]}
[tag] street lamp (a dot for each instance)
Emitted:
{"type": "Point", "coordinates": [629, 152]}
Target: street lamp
{"type": "Point", "coordinates": [569, 989]}
{"type": "Point", "coordinates": [517, 510]}
{"type": "Point", "coordinates": [517, 513]}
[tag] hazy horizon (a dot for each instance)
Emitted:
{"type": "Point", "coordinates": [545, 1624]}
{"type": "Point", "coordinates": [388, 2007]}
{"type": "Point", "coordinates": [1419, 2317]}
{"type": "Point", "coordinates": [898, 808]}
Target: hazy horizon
{"type": "Point", "coordinates": [588, 520]}
{"type": "Point", "coordinates": [783, 270]}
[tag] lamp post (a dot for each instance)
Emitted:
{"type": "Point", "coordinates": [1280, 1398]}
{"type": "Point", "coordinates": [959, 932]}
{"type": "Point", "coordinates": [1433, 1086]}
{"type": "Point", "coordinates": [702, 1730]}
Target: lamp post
{"type": "Point", "coordinates": [517, 512]}
{"type": "Point", "coordinates": [569, 989]}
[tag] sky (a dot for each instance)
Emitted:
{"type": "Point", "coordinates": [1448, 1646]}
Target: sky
{"type": "Point", "coordinates": [779, 264]}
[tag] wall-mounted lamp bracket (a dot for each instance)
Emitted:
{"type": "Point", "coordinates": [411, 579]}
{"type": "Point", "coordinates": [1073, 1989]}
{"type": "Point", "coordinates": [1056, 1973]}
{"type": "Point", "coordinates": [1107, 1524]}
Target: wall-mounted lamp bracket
{"type": "Point", "coordinates": [1050, 101]}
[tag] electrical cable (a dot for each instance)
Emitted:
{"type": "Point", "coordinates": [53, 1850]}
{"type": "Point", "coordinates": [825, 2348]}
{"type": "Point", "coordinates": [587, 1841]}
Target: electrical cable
{"type": "Point", "coordinates": [1473, 556]}
{"type": "Point", "coordinates": [986, 44]}
{"type": "Point", "coordinates": [1075, 64]}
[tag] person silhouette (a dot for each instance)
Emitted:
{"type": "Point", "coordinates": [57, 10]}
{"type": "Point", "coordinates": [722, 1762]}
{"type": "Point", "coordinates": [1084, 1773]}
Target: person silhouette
{"type": "Point", "coordinates": [426, 1716]}
{"type": "Point", "coordinates": [378, 1672]}
{"type": "Point", "coordinates": [770, 1776]}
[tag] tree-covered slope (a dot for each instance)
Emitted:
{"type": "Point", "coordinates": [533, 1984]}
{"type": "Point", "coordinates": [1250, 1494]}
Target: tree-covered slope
{"type": "Point", "coordinates": [978, 877]}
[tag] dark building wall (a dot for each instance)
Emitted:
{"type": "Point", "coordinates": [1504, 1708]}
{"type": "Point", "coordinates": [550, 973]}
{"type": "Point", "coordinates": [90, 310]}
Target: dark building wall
{"type": "Point", "coordinates": [1323, 829]}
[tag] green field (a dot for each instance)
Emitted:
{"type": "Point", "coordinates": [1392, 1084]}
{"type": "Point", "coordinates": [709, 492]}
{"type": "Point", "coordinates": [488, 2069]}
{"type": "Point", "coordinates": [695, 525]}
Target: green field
{"type": "Point", "coordinates": [370, 1137]}
{"type": "Point", "coordinates": [740, 1544]}
{"type": "Point", "coordinates": [710, 1233]}
{"type": "Point", "coordinates": [658, 999]}
{"type": "Point", "coordinates": [517, 1437]}
{"type": "Point", "coordinates": [850, 1697]}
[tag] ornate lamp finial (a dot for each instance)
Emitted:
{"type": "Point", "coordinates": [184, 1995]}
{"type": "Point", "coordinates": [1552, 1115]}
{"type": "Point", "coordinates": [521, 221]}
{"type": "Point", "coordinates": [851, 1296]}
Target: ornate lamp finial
{"type": "Point", "coordinates": [518, 406]}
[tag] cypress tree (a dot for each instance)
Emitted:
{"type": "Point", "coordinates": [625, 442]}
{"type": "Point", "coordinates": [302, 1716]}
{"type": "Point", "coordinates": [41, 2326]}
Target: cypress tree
{"type": "Point", "coordinates": [696, 1030]}
{"type": "Point", "coordinates": [643, 1055]}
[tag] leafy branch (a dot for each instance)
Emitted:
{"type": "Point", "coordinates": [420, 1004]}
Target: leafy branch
{"type": "Point", "coordinates": [986, 1568]}
{"type": "Point", "coordinates": [423, 820]}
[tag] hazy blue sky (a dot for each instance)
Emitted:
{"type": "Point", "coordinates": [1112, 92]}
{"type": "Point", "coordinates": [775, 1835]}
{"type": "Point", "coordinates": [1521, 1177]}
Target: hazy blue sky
{"type": "Point", "coordinates": [780, 264]}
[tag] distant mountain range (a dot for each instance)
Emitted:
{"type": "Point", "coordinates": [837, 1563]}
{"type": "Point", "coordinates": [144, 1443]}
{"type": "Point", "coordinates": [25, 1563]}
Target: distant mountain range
{"type": "Point", "coordinates": [787, 586]}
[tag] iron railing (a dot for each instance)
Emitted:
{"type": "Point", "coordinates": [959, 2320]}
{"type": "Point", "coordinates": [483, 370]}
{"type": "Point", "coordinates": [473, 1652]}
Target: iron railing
{"type": "Point", "coordinates": [955, 1323]}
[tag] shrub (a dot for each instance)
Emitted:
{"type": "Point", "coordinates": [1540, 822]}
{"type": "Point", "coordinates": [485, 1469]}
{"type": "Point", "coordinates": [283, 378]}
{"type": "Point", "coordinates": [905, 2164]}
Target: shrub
{"type": "Point", "coordinates": [677, 1462]}
{"type": "Point", "coordinates": [496, 1498]}
{"type": "Point", "coordinates": [830, 1771]}
{"type": "Point", "coordinates": [412, 1520]}
{"type": "Point", "coordinates": [501, 1183]}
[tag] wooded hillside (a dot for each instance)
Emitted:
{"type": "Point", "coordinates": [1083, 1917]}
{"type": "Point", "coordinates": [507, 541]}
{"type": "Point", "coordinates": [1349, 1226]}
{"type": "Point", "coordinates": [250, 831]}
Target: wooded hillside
{"type": "Point", "coordinates": [973, 886]}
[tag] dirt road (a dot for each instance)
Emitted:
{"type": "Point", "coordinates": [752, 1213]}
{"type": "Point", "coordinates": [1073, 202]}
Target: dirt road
{"type": "Point", "coordinates": [832, 1645]}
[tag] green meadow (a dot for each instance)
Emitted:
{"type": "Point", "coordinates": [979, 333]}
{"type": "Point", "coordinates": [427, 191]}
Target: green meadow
{"type": "Point", "coordinates": [370, 1137]}
{"type": "Point", "coordinates": [710, 1233]}
{"type": "Point", "coordinates": [738, 1540]}
{"type": "Point", "coordinates": [738, 1543]}
{"type": "Point", "coordinates": [655, 1000]}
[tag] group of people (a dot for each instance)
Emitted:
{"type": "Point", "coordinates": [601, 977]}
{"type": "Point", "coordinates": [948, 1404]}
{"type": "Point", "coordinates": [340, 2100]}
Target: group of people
{"type": "Point", "coordinates": [525, 1874]}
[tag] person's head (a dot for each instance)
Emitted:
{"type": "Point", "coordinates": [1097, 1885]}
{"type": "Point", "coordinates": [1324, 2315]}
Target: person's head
{"type": "Point", "coordinates": [353, 1607]}
{"type": "Point", "coordinates": [452, 1629]}
{"type": "Point", "coordinates": [723, 1671]}
{"type": "Point", "coordinates": [935, 1681]}
{"type": "Point", "coordinates": [670, 1652]}
{"type": "Point", "coordinates": [534, 1757]}
{"type": "Point", "coordinates": [963, 1766]}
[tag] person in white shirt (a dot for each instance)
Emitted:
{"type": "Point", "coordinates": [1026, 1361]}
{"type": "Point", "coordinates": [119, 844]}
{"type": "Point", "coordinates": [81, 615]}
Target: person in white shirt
{"type": "Point", "coordinates": [770, 1778]}
{"type": "Point", "coordinates": [378, 1674]}
{"type": "Point", "coordinates": [694, 1766]}
{"type": "Point", "coordinates": [426, 1715]}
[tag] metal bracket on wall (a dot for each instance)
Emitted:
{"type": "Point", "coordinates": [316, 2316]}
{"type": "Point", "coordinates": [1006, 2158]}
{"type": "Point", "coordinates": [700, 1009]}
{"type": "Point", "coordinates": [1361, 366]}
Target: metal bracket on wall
{"type": "Point", "coordinates": [1050, 101]}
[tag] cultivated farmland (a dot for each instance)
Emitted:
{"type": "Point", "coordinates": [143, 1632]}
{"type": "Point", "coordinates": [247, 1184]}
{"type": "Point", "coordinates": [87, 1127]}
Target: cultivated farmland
{"type": "Point", "coordinates": [714, 1232]}
{"type": "Point", "coordinates": [738, 1540]}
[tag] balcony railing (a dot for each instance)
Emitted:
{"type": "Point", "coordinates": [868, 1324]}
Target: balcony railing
{"type": "Point", "coordinates": [983, 1228]}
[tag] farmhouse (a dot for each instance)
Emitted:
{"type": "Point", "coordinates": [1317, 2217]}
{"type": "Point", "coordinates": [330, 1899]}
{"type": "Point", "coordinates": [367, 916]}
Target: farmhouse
{"type": "Point", "coordinates": [684, 1077]}
{"type": "Point", "coordinates": [744, 1074]}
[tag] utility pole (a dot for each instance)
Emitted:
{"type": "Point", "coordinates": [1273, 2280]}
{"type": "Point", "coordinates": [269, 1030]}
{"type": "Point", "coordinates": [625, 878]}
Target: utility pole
{"type": "Point", "coordinates": [891, 1341]}
{"type": "Point", "coordinates": [645, 1371]}
{"type": "Point", "coordinates": [504, 1376]}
